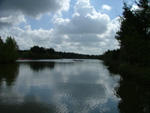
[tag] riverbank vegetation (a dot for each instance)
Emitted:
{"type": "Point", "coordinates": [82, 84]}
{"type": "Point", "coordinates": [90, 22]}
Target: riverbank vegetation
{"type": "Point", "coordinates": [37, 52]}
{"type": "Point", "coordinates": [133, 57]}
{"type": "Point", "coordinates": [8, 50]}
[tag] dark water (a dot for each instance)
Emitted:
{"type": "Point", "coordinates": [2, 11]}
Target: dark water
{"type": "Point", "coordinates": [60, 86]}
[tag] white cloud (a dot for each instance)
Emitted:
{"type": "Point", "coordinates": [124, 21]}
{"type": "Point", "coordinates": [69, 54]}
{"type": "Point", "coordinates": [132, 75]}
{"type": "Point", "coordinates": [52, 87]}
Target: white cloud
{"type": "Point", "coordinates": [65, 5]}
{"type": "Point", "coordinates": [83, 7]}
{"type": "Point", "coordinates": [14, 12]}
{"type": "Point", "coordinates": [85, 20]}
{"type": "Point", "coordinates": [28, 37]}
{"type": "Point", "coordinates": [88, 31]}
{"type": "Point", "coordinates": [106, 7]}
{"type": "Point", "coordinates": [11, 20]}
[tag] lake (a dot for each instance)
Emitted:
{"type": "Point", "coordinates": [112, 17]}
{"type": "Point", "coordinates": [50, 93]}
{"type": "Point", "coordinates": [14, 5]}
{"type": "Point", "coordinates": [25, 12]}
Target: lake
{"type": "Point", "coordinates": [58, 86]}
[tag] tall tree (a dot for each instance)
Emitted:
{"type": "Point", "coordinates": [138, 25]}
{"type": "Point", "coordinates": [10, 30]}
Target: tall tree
{"type": "Point", "coordinates": [134, 33]}
{"type": "Point", "coordinates": [1, 49]}
{"type": "Point", "coordinates": [8, 50]}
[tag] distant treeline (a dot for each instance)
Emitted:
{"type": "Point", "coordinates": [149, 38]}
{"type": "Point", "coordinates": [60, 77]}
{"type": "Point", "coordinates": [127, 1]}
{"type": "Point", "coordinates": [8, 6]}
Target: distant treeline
{"type": "Point", "coordinates": [9, 52]}
{"type": "Point", "coordinates": [37, 52]}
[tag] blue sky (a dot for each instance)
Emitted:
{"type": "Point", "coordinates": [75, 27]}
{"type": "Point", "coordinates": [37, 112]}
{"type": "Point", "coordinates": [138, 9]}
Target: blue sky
{"type": "Point", "coordinates": [81, 26]}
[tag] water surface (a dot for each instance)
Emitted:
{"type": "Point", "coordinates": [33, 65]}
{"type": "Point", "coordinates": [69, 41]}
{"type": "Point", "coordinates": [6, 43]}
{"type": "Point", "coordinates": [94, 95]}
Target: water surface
{"type": "Point", "coordinates": [58, 86]}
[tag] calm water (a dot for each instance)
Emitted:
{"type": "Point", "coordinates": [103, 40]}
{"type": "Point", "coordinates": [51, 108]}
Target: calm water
{"type": "Point", "coordinates": [58, 86]}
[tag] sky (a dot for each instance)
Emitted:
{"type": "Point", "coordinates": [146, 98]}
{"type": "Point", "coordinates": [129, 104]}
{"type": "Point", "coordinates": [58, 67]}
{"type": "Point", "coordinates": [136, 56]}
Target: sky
{"type": "Point", "coordinates": [80, 26]}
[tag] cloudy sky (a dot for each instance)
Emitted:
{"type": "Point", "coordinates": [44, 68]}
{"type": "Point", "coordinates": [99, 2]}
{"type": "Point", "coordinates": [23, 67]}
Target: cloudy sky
{"type": "Point", "coordinates": [81, 26]}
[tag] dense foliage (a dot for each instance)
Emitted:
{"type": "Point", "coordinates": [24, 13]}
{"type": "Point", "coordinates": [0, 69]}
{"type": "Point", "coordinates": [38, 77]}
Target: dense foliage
{"type": "Point", "coordinates": [132, 60]}
{"type": "Point", "coordinates": [8, 50]}
{"type": "Point", "coordinates": [37, 52]}
{"type": "Point", "coordinates": [134, 35]}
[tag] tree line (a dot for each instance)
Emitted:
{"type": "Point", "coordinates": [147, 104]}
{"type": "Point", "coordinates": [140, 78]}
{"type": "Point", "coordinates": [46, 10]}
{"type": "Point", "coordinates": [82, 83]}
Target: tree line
{"type": "Point", "coordinates": [133, 36]}
{"type": "Point", "coordinates": [132, 60]}
{"type": "Point", "coordinates": [37, 52]}
{"type": "Point", "coordinates": [9, 52]}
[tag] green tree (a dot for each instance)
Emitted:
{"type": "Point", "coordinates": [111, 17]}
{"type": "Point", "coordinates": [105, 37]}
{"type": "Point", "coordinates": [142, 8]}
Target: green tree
{"type": "Point", "coordinates": [37, 52]}
{"type": "Point", "coordinates": [134, 34]}
{"type": "Point", "coordinates": [8, 50]}
{"type": "Point", "coordinates": [1, 49]}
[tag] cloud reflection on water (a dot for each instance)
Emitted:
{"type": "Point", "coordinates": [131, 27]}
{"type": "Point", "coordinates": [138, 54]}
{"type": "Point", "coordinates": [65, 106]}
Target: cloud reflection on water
{"type": "Point", "coordinates": [68, 86]}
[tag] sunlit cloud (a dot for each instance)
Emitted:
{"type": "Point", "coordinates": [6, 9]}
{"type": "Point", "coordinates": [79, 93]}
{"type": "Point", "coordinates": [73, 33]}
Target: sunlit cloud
{"type": "Point", "coordinates": [87, 30]}
{"type": "Point", "coordinates": [106, 7]}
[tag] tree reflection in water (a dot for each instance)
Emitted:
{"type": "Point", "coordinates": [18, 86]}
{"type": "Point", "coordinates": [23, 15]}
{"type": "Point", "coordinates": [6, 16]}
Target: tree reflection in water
{"type": "Point", "coordinates": [8, 72]}
{"type": "Point", "coordinates": [39, 66]}
{"type": "Point", "coordinates": [85, 87]}
{"type": "Point", "coordinates": [135, 98]}
{"type": "Point", "coordinates": [29, 107]}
